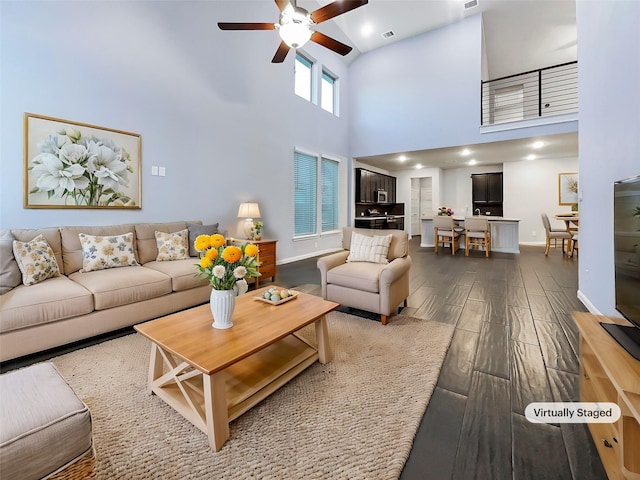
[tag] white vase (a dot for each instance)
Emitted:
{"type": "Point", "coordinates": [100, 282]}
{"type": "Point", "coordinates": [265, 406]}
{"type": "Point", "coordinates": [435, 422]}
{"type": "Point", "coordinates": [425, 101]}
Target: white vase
{"type": "Point", "coordinates": [222, 303]}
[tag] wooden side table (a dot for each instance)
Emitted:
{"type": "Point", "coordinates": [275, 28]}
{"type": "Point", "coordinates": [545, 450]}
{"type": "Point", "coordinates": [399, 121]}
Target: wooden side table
{"type": "Point", "coordinates": [266, 257]}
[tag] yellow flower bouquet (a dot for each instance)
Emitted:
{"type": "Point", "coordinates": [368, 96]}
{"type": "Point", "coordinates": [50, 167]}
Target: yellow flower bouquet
{"type": "Point", "coordinates": [224, 265]}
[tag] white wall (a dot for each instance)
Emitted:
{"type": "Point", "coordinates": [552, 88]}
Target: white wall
{"type": "Point", "coordinates": [608, 74]}
{"type": "Point", "coordinates": [210, 107]}
{"type": "Point", "coordinates": [531, 188]}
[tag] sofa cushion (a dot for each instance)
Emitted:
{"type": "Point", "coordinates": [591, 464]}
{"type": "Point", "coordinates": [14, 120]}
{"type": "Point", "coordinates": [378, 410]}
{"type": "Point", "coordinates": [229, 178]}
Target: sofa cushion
{"type": "Point", "coordinates": [10, 276]}
{"type": "Point", "coordinates": [399, 240]}
{"type": "Point", "coordinates": [54, 299]}
{"type": "Point", "coordinates": [172, 246]}
{"type": "Point", "coordinates": [182, 273]}
{"type": "Point", "coordinates": [72, 248]}
{"type": "Point", "coordinates": [122, 286]}
{"type": "Point", "coordinates": [102, 252]}
{"type": "Point", "coordinates": [357, 275]}
{"type": "Point", "coordinates": [365, 248]}
{"type": "Point", "coordinates": [51, 235]}
{"type": "Point", "coordinates": [146, 238]}
{"type": "Point", "coordinates": [44, 424]}
{"type": "Point", "coordinates": [36, 260]}
{"type": "Point", "coordinates": [197, 229]}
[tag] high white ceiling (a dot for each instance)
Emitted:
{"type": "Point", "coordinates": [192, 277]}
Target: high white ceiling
{"type": "Point", "coordinates": [519, 35]}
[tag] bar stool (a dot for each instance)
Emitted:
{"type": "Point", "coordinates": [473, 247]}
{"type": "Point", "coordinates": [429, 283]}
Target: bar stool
{"type": "Point", "coordinates": [444, 232]}
{"type": "Point", "coordinates": [477, 234]}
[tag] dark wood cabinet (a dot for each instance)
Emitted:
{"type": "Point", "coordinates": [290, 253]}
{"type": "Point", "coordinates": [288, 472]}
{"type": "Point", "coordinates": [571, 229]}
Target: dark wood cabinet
{"type": "Point", "coordinates": [368, 184]}
{"type": "Point", "coordinates": [487, 193]}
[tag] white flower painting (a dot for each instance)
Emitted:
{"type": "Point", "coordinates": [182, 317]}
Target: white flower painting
{"type": "Point", "coordinates": [78, 165]}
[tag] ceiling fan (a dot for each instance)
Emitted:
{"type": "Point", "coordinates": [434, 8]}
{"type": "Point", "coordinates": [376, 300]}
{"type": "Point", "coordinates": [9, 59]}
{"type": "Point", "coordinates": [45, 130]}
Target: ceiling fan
{"type": "Point", "coordinates": [295, 26]}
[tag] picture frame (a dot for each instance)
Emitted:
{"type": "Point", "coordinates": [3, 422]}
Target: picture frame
{"type": "Point", "coordinates": [568, 188]}
{"type": "Point", "coordinates": [70, 164]}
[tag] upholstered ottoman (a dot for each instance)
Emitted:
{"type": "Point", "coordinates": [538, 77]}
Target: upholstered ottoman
{"type": "Point", "coordinates": [44, 427]}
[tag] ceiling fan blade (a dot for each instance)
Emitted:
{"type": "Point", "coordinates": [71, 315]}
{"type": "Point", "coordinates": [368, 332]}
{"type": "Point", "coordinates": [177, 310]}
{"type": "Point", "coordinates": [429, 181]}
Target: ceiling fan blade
{"type": "Point", "coordinates": [336, 8]}
{"type": "Point", "coordinates": [281, 4]}
{"type": "Point", "coordinates": [245, 26]}
{"type": "Point", "coordinates": [281, 53]}
{"type": "Point", "coordinates": [330, 43]}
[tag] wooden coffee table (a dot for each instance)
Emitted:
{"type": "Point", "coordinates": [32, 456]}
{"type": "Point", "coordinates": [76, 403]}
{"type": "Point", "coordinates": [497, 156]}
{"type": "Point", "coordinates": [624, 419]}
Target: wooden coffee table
{"type": "Point", "coordinates": [213, 376]}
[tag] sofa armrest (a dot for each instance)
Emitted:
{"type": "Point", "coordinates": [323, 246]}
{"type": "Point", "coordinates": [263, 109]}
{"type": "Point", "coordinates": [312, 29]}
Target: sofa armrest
{"type": "Point", "coordinates": [328, 262]}
{"type": "Point", "coordinates": [395, 270]}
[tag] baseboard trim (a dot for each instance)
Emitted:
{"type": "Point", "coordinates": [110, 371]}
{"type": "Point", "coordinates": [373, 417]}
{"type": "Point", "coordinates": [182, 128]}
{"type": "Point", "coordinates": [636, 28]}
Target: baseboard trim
{"type": "Point", "coordinates": [587, 303]}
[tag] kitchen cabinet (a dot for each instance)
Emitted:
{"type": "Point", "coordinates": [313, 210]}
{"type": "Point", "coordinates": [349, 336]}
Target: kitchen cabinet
{"type": "Point", "coordinates": [368, 183]}
{"type": "Point", "coordinates": [487, 193]}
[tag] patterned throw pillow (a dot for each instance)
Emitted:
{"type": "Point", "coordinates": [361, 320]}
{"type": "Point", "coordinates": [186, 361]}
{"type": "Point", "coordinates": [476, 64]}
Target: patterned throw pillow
{"type": "Point", "coordinates": [36, 260]}
{"type": "Point", "coordinates": [369, 249]}
{"type": "Point", "coordinates": [172, 246]}
{"type": "Point", "coordinates": [102, 252]}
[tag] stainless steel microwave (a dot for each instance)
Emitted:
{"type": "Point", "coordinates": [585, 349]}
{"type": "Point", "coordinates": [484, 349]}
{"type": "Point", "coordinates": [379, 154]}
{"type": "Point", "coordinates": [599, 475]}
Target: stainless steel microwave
{"type": "Point", "coordinates": [382, 197]}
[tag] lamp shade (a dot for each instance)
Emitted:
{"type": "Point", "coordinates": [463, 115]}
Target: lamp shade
{"type": "Point", "coordinates": [249, 210]}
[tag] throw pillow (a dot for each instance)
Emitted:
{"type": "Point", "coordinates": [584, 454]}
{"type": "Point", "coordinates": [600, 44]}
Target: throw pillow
{"type": "Point", "coordinates": [10, 275]}
{"type": "Point", "coordinates": [195, 230]}
{"type": "Point", "coordinates": [100, 252]}
{"type": "Point", "coordinates": [172, 246]}
{"type": "Point", "coordinates": [36, 260]}
{"type": "Point", "coordinates": [369, 249]}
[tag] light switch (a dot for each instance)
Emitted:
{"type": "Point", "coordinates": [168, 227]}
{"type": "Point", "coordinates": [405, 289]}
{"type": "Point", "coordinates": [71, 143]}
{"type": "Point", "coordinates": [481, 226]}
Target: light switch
{"type": "Point", "coordinates": [154, 170]}
{"type": "Point", "coordinates": [162, 171]}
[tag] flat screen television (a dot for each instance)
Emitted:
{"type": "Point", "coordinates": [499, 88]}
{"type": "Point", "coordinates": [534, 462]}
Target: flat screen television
{"type": "Point", "coordinates": [626, 240]}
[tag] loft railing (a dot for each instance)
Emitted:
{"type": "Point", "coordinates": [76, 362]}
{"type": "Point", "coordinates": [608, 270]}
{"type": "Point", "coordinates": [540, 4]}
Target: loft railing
{"type": "Point", "coordinates": [538, 93]}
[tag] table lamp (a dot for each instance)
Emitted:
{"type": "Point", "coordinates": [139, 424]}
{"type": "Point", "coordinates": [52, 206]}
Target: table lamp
{"type": "Point", "coordinates": [249, 211]}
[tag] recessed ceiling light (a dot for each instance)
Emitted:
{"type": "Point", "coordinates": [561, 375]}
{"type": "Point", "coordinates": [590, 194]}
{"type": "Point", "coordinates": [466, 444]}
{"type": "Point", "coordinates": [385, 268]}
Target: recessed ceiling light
{"type": "Point", "coordinates": [531, 157]}
{"type": "Point", "coordinates": [538, 144]}
{"type": "Point", "coordinates": [366, 29]}
{"type": "Point", "coordinates": [418, 166]}
{"type": "Point", "coordinates": [402, 158]}
{"type": "Point", "coordinates": [472, 161]}
{"type": "Point", "coordinates": [465, 152]}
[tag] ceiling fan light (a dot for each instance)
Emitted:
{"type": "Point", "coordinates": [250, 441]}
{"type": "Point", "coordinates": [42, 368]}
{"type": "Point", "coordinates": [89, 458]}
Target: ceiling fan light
{"type": "Point", "coordinates": [294, 34]}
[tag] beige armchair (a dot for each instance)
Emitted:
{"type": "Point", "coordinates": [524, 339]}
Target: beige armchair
{"type": "Point", "coordinates": [374, 287]}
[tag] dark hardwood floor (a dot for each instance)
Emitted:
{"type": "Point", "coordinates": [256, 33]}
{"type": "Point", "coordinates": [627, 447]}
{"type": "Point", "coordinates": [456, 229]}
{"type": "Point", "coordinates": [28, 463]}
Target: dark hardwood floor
{"type": "Point", "coordinates": [514, 343]}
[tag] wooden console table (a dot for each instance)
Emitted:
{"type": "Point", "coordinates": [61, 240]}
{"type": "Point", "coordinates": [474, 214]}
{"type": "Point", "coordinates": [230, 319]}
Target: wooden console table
{"type": "Point", "coordinates": [609, 374]}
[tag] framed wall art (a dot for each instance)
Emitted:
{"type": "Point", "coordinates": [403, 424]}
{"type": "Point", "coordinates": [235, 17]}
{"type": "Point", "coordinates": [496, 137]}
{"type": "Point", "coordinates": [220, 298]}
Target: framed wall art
{"type": "Point", "coordinates": [76, 165]}
{"type": "Point", "coordinates": [567, 188]}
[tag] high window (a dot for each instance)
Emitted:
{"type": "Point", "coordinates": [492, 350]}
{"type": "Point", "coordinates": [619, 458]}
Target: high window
{"type": "Point", "coordinates": [329, 92]}
{"type": "Point", "coordinates": [303, 69]}
{"type": "Point", "coordinates": [315, 194]}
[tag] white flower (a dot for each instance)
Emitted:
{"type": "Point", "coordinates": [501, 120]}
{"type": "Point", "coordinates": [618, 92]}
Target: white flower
{"type": "Point", "coordinates": [240, 272]}
{"type": "Point", "coordinates": [57, 176]}
{"type": "Point", "coordinates": [72, 153]}
{"type": "Point", "coordinates": [219, 271]}
{"type": "Point", "coordinates": [106, 165]}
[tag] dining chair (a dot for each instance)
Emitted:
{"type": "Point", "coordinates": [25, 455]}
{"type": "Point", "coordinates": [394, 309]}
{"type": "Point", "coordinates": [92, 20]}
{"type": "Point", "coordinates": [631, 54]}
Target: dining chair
{"type": "Point", "coordinates": [554, 234]}
{"type": "Point", "coordinates": [444, 231]}
{"type": "Point", "coordinates": [478, 234]}
{"type": "Point", "coordinates": [574, 244]}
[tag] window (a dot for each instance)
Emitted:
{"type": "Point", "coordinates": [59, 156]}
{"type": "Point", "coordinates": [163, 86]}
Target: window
{"type": "Point", "coordinates": [305, 177]}
{"type": "Point", "coordinates": [302, 73]}
{"type": "Point", "coordinates": [316, 194]}
{"type": "Point", "coordinates": [328, 92]}
{"type": "Point", "coordinates": [329, 194]}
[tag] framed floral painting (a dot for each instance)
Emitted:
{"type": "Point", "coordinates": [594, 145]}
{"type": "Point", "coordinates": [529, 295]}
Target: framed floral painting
{"type": "Point", "coordinates": [77, 165]}
{"type": "Point", "coordinates": [567, 188]}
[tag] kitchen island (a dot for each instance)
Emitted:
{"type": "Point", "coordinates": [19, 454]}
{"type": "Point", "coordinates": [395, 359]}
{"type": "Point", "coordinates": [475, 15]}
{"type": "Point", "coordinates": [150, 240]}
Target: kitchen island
{"type": "Point", "coordinates": [505, 233]}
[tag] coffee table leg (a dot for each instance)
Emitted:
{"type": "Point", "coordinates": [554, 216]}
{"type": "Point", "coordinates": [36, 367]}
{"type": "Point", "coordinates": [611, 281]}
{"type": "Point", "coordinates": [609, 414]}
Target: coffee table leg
{"type": "Point", "coordinates": [155, 367]}
{"type": "Point", "coordinates": [215, 404]}
{"type": "Point", "coordinates": [322, 337]}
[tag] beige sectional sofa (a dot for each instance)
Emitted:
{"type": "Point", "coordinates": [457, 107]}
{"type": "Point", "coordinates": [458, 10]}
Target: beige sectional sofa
{"type": "Point", "coordinates": [78, 305]}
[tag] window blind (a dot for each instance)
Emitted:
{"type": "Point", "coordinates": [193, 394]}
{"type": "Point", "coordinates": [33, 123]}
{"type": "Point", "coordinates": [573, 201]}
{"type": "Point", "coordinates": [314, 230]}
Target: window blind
{"type": "Point", "coordinates": [305, 178]}
{"type": "Point", "coordinates": [329, 179]}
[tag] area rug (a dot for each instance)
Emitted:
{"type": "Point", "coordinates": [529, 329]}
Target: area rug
{"type": "Point", "coordinates": [353, 418]}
